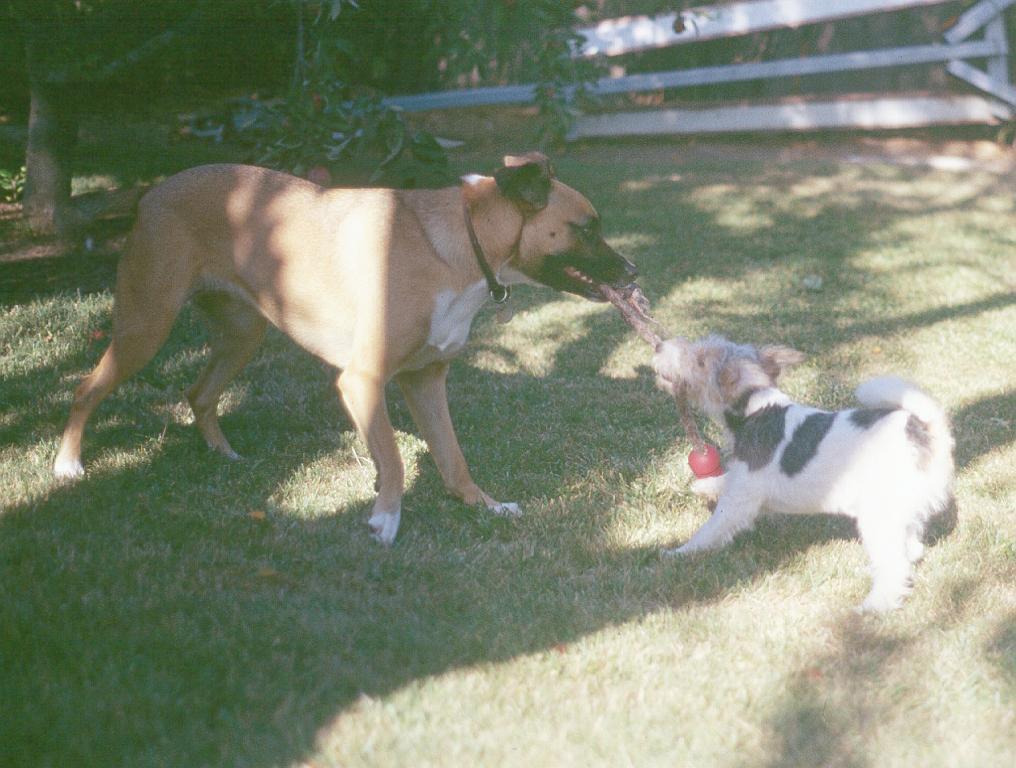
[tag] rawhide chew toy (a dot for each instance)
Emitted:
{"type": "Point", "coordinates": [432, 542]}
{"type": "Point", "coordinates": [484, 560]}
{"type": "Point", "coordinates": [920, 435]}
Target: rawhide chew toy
{"type": "Point", "coordinates": [704, 459]}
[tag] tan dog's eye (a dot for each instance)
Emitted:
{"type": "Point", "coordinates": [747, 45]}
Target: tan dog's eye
{"type": "Point", "coordinates": [589, 230]}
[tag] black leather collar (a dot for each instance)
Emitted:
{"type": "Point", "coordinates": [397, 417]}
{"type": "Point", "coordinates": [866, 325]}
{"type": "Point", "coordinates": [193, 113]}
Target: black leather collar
{"type": "Point", "coordinates": [498, 292]}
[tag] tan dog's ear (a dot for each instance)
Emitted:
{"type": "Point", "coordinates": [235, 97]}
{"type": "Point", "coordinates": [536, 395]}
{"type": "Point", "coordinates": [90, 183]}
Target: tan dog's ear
{"type": "Point", "coordinates": [514, 161]}
{"type": "Point", "coordinates": [774, 358]}
{"type": "Point", "coordinates": [525, 180]}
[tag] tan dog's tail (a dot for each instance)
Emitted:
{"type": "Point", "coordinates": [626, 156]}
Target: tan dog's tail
{"type": "Point", "coordinates": [109, 204]}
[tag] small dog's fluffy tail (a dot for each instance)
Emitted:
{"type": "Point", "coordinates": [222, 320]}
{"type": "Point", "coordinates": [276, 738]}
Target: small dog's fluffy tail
{"type": "Point", "coordinates": [936, 444]}
{"type": "Point", "coordinates": [894, 392]}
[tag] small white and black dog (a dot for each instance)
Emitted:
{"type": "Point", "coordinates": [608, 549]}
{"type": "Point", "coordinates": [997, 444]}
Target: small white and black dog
{"type": "Point", "coordinates": [887, 464]}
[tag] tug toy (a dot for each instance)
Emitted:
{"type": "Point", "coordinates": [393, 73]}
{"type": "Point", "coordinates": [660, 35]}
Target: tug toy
{"type": "Point", "coordinates": [704, 458]}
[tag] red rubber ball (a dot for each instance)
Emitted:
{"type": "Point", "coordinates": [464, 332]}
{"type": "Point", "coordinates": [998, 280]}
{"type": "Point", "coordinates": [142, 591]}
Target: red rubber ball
{"type": "Point", "coordinates": [705, 463]}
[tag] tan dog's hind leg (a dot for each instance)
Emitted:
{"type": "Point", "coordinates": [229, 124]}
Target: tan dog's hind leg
{"type": "Point", "coordinates": [235, 332]}
{"type": "Point", "coordinates": [138, 333]}
{"type": "Point", "coordinates": [152, 283]}
{"type": "Point", "coordinates": [87, 397]}
{"type": "Point", "coordinates": [363, 396]}
{"type": "Point", "coordinates": [427, 397]}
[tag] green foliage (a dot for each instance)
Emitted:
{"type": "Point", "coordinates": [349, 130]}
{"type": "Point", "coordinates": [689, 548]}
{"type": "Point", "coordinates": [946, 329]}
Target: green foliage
{"type": "Point", "coordinates": [348, 54]}
{"type": "Point", "coordinates": [12, 184]}
{"type": "Point", "coordinates": [327, 123]}
{"type": "Point", "coordinates": [358, 140]}
{"type": "Point", "coordinates": [140, 54]}
{"type": "Point", "coordinates": [1006, 134]}
{"type": "Point", "coordinates": [411, 46]}
{"type": "Point", "coordinates": [195, 50]}
{"type": "Point", "coordinates": [562, 91]}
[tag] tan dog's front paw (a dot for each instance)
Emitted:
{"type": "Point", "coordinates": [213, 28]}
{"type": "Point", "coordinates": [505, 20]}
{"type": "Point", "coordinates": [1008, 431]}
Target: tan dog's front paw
{"type": "Point", "coordinates": [384, 525]}
{"type": "Point", "coordinates": [506, 509]}
{"type": "Point", "coordinates": [500, 508]}
{"type": "Point", "coordinates": [68, 469]}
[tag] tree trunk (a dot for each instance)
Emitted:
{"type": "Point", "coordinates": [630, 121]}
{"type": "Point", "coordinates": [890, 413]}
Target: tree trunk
{"type": "Point", "coordinates": [52, 137]}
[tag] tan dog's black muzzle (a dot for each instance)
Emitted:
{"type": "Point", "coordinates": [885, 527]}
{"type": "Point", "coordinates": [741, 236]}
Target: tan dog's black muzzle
{"type": "Point", "coordinates": [582, 270]}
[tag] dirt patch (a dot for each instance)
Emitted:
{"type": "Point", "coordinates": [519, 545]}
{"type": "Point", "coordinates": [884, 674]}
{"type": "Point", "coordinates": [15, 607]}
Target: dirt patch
{"type": "Point", "coordinates": [487, 132]}
{"type": "Point", "coordinates": [17, 243]}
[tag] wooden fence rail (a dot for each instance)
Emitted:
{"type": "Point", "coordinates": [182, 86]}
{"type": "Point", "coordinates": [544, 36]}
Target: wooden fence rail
{"type": "Point", "coordinates": [616, 37]}
{"type": "Point", "coordinates": [632, 34]}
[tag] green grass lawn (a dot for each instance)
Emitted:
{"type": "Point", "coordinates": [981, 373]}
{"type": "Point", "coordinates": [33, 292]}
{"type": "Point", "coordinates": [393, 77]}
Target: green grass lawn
{"type": "Point", "coordinates": [177, 609]}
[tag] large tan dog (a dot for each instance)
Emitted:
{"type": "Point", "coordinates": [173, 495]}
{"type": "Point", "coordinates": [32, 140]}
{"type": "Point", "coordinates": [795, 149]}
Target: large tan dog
{"type": "Point", "coordinates": [377, 282]}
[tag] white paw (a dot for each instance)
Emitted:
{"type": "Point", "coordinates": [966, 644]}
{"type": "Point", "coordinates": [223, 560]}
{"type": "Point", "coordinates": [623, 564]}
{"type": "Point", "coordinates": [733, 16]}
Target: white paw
{"type": "Point", "coordinates": [506, 509]}
{"type": "Point", "coordinates": [500, 508]}
{"type": "Point", "coordinates": [915, 550]}
{"type": "Point", "coordinates": [384, 526]}
{"type": "Point", "coordinates": [66, 469]}
{"type": "Point", "coordinates": [708, 487]}
{"type": "Point", "coordinates": [880, 602]}
{"type": "Point", "coordinates": [675, 551]}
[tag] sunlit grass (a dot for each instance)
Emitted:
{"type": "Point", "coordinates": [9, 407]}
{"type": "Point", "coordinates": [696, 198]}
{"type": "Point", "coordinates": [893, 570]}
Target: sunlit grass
{"type": "Point", "coordinates": [178, 609]}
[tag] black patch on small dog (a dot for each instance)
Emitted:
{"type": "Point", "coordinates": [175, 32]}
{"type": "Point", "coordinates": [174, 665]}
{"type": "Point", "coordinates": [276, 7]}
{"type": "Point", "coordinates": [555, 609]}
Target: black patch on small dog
{"type": "Point", "coordinates": [920, 437]}
{"type": "Point", "coordinates": [734, 415]}
{"type": "Point", "coordinates": [758, 436]}
{"type": "Point", "coordinates": [864, 418]}
{"type": "Point", "coordinates": [804, 442]}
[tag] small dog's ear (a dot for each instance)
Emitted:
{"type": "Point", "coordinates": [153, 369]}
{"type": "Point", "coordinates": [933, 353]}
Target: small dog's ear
{"type": "Point", "coordinates": [525, 180]}
{"type": "Point", "coordinates": [774, 358]}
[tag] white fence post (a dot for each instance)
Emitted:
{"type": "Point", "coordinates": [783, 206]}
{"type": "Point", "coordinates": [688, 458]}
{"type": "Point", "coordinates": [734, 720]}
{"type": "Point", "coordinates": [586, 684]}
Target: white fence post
{"type": "Point", "coordinates": [998, 66]}
{"type": "Point", "coordinates": [632, 34]}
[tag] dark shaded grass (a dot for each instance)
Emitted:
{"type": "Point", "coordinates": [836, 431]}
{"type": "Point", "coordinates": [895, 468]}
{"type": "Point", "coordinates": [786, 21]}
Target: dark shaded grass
{"type": "Point", "coordinates": [150, 619]}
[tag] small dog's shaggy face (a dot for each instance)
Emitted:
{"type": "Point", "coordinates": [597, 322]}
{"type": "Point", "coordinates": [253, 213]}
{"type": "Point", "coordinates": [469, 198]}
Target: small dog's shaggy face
{"type": "Point", "coordinates": [716, 373]}
{"type": "Point", "coordinates": [887, 464]}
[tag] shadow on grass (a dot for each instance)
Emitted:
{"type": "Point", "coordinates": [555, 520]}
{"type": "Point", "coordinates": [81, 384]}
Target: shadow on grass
{"type": "Point", "coordinates": [832, 704]}
{"type": "Point", "coordinates": [984, 426]}
{"type": "Point", "coordinates": [154, 610]}
{"type": "Point", "coordinates": [1001, 650]}
{"type": "Point", "coordinates": [36, 279]}
{"type": "Point", "coordinates": [810, 729]}
{"type": "Point", "coordinates": [156, 621]}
